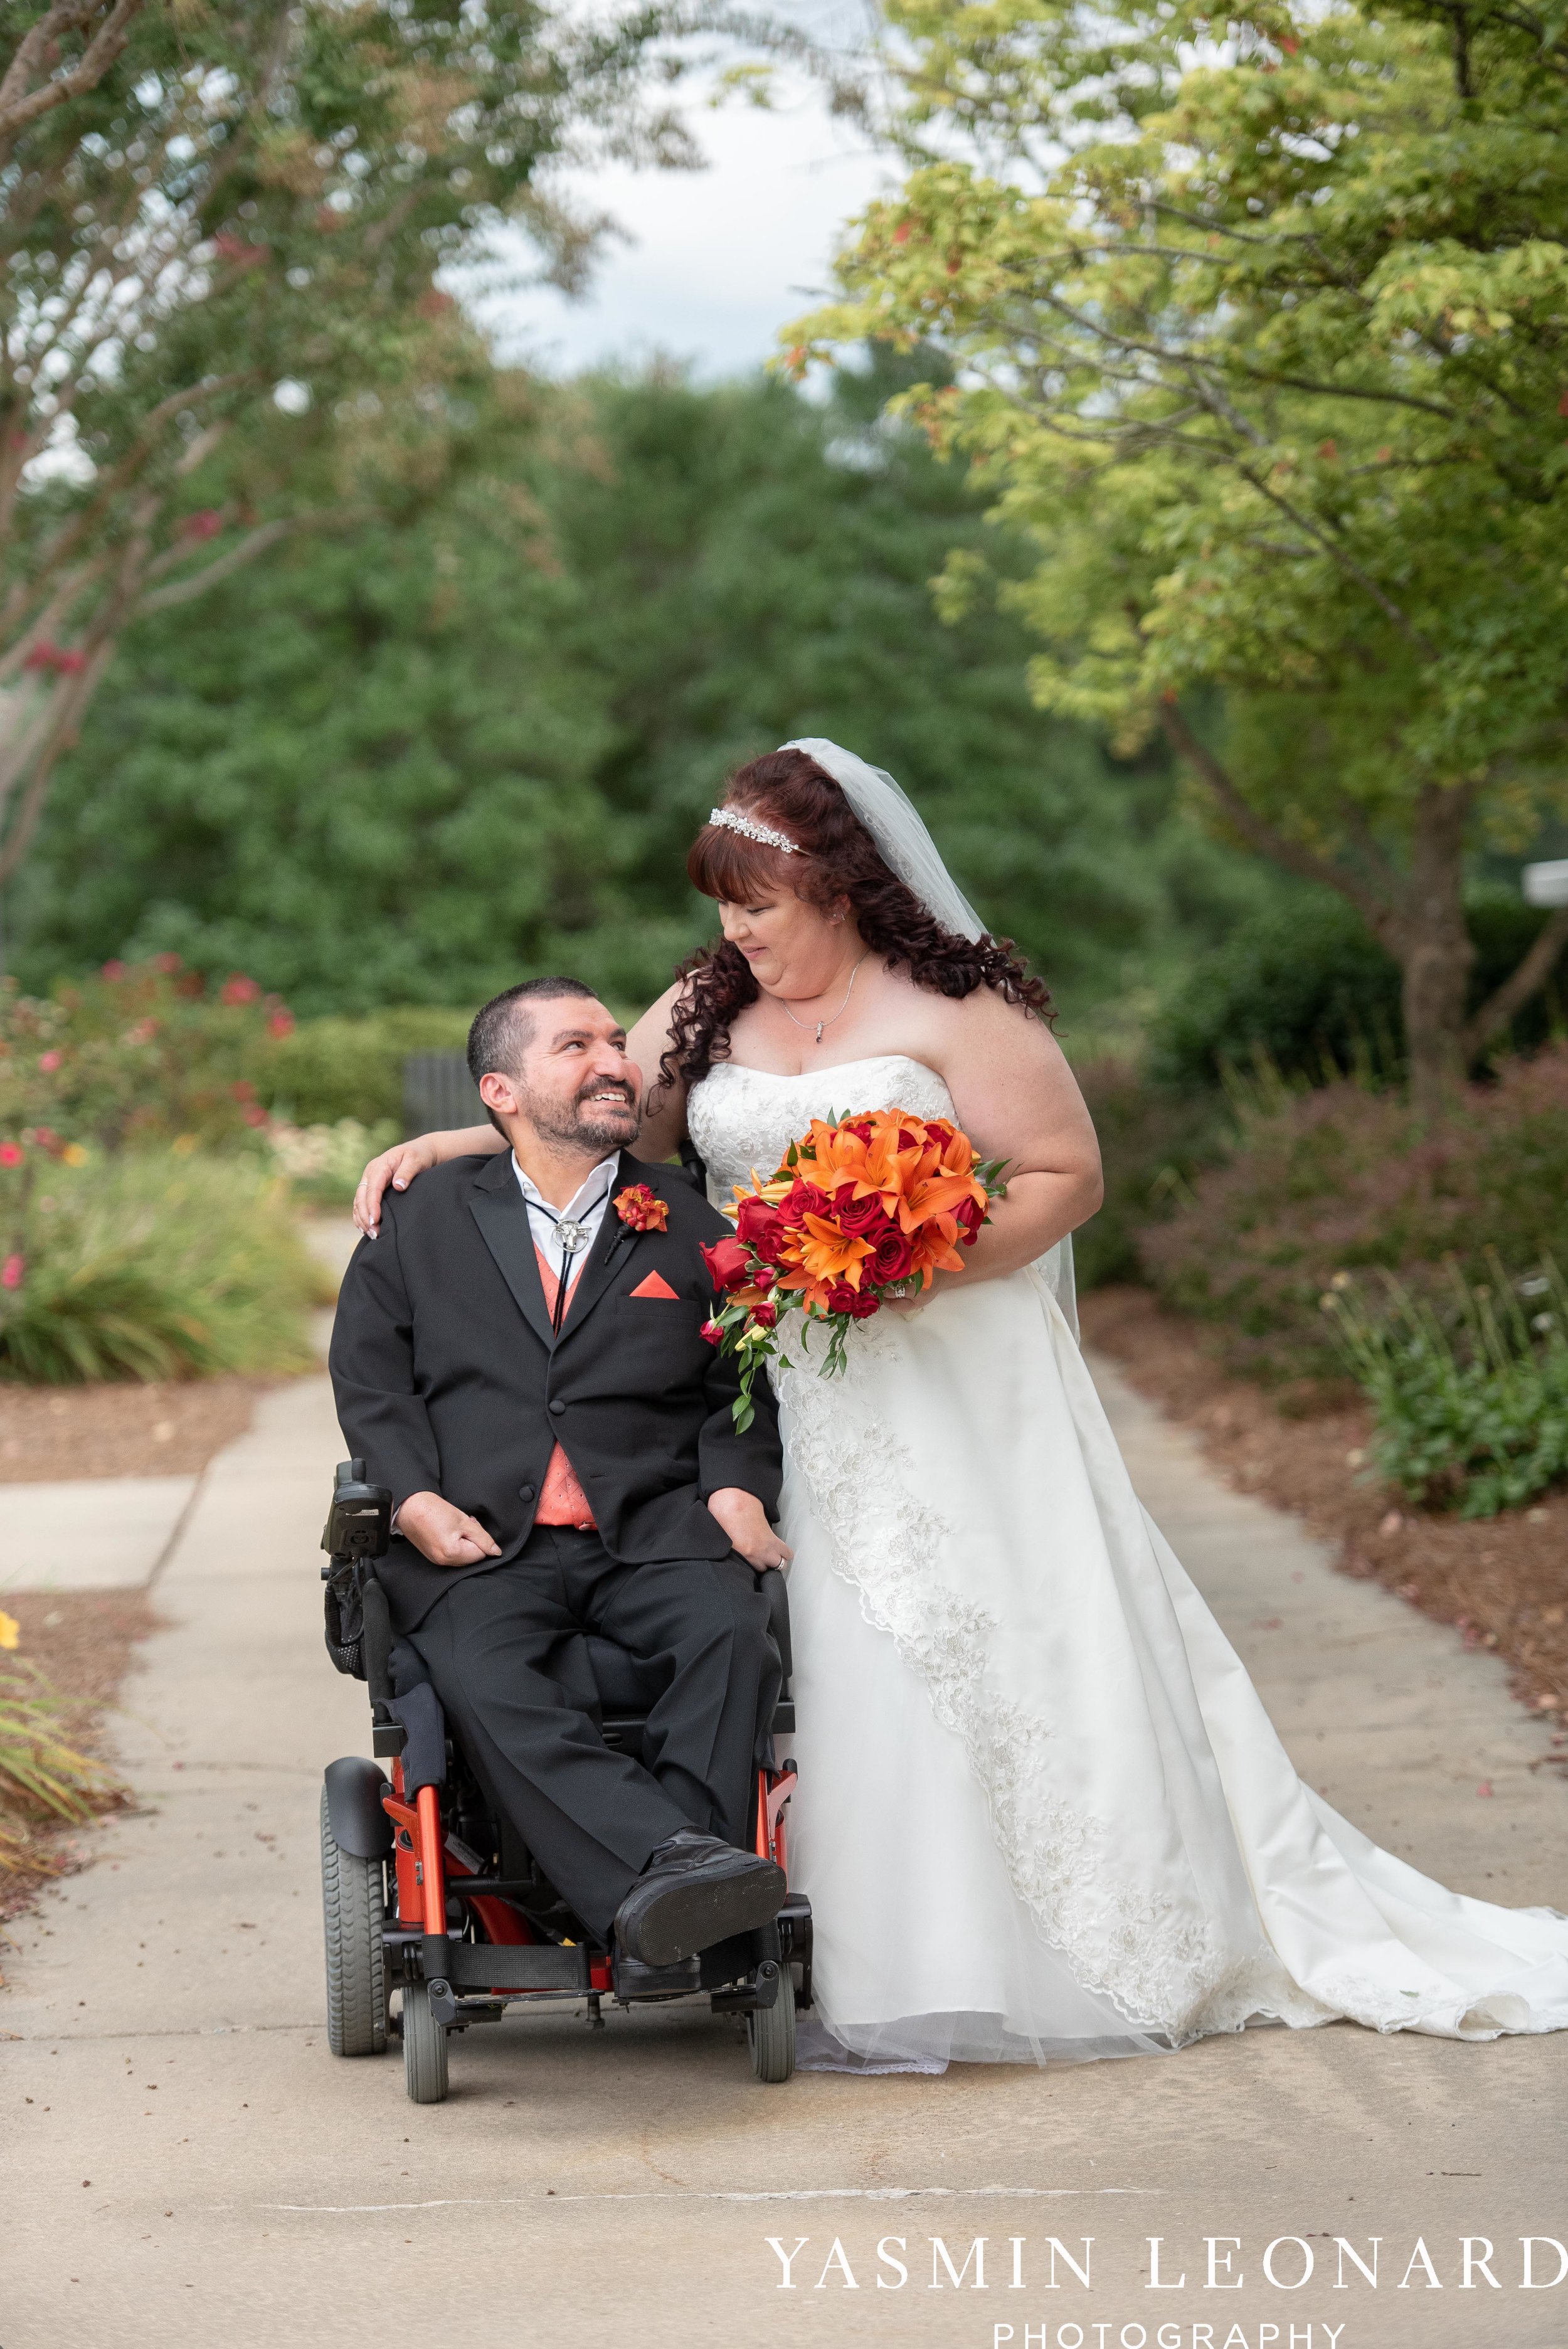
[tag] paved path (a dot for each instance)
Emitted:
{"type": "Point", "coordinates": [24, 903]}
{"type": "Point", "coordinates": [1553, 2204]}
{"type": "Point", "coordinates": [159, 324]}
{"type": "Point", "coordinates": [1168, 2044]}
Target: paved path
{"type": "Point", "coordinates": [184, 2165]}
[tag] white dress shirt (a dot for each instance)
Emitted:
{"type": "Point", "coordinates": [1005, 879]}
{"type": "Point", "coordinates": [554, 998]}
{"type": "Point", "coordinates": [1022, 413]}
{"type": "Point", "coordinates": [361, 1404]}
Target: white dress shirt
{"type": "Point", "coordinates": [587, 1208]}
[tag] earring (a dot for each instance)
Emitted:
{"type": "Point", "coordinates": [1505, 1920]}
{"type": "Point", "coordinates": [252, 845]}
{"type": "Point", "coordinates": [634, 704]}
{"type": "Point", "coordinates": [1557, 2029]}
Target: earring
{"type": "Point", "coordinates": [836, 917]}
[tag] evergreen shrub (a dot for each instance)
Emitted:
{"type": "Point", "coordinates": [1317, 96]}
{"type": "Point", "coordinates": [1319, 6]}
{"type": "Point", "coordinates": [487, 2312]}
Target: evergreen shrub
{"type": "Point", "coordinates": [1306, 986]}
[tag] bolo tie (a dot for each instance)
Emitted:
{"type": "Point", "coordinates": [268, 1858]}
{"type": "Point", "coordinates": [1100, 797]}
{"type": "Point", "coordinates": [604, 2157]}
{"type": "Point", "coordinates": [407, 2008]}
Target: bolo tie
{"type": "Point", "coordinates": [572, 1237]}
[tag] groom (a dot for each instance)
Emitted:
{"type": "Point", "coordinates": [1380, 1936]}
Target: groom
{"type": "Point", "coordinates": [518, 1357]}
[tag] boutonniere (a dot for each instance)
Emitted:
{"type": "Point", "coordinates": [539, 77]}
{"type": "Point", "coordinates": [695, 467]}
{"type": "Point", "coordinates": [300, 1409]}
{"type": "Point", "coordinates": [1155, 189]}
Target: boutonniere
{"type": "Point", "coordinates": [637, 1208]}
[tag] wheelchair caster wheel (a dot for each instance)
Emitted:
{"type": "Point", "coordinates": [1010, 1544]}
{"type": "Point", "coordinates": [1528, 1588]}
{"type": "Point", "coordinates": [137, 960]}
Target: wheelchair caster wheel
{"type": "Point", "coordinates": [424, 2048]}
{"type": "Point", "coordinates": [771, 2030]}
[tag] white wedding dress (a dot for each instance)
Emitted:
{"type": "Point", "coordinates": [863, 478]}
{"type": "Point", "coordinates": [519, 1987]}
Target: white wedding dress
{"type": "Point", "coordinates": [1042, 1812]}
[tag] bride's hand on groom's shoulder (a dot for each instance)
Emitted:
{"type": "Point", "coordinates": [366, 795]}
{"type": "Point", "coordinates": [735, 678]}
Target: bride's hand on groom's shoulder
{"type": "Point", "coordinates": [447, 1536]}
{"type": "Point", "coordinates": [396, 1166]}
{"type": "Point", "coordinates": [744, 1520]}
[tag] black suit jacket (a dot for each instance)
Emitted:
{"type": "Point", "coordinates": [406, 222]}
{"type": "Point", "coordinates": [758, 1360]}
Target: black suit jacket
{"type": "Point", "coordinates": [449, 1381]}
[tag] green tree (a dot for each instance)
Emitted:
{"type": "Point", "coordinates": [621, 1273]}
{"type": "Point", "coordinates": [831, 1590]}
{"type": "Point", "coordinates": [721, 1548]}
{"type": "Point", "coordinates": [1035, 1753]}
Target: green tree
{"type": "Point", "coordinates": [220, 229]}
{"type": "Point", "coordinates": [1257, 323]}
{"type": "Point", "coordinates": [407, 763]}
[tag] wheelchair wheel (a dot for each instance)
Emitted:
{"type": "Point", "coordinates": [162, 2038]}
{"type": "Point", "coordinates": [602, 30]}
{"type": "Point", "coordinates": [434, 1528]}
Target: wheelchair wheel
{"type": "Point", "coordinates": [770, 2030]}
{"type": "Point", "coordinates": [424, 2048]}
{"type": "Point", "coordinates": [351, 1898]}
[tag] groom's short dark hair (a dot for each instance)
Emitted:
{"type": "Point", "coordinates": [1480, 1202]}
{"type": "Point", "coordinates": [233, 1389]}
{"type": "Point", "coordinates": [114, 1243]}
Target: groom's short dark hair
{"type": "Point", "coordinates": [503, 1031]}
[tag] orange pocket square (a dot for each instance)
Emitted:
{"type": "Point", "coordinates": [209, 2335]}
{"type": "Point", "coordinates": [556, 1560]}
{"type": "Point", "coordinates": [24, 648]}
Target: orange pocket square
{"type": "Point", "coordinates": [656, 1286]}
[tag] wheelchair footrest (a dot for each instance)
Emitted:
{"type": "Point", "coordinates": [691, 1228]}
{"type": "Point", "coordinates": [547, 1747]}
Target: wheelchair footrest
{"type": "Point", "coordinates": [503, 1965]}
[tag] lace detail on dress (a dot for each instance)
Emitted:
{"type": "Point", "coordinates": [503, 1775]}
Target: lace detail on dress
{"type": "Point", "coordinates": [1156, 1960]}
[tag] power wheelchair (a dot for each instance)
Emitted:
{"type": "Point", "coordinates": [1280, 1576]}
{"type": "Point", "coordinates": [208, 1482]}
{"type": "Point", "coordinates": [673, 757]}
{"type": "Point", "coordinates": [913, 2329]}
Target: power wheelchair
{"type": "Point", "coordinates": [428, 1893]}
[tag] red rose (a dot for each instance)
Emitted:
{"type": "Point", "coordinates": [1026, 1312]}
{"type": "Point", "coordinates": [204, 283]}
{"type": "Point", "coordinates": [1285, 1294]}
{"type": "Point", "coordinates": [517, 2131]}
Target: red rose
{"type": "Point", "coordinates": [712, 1332]}
{"type": "Point", "coordinates": [638, 1208]}
{"type": "Point", "coordinates": [764, 1314]}
{"type": "Point", "coordinates": [728, 1265]}
{"type": "Point", "coordinates": [857, 1302]}
{"type": "Point", "coordinates": [762, 1229]}
{"type": "Point", "coordinates": [858, 1219]}
{"type": "Point", "coordinates": [892, 1258]}
{"type": "Point", "coordinates": [969, 1216]}
{"type": "Point", "coordinates": [805, 1200]}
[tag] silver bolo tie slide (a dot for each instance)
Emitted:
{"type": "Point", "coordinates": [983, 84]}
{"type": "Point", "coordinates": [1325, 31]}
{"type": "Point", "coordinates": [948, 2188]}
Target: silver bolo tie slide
{"type": "Point", "coordinates": [571, 1238]}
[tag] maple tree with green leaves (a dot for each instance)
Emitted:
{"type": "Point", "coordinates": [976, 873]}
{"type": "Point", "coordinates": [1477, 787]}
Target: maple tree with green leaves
{"type": "Point", "coordinates": [1258, 323]}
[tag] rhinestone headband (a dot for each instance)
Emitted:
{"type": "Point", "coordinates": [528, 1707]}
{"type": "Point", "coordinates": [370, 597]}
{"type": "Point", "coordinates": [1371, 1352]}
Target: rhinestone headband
{"type": "Point", "coordinates": [759, 832]}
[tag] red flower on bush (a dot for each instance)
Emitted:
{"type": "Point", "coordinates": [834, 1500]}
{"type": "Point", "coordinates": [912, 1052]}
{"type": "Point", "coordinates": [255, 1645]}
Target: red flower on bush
{"type": "Point", "coordinates": [641, 1209]}
{"type": "Point", "coordinates": [280, 1022]}
{"type": "Point", "coordinates": [10, 1154]}
{"type": "Point", "coordinates": [167, 963]}
{"type": "Point", "coordinates": [254, 1114]}
{"type": "Point", "coordinates": [239, 989]}
{"type": "Point", "coordinates": [49, 1062]}
{"type": "Point", "coordinates": [61, 659]}
{"type": "Point", "coordinates": [113, 971]}
{"type": "Point", "coordinates": [11, 1271]}
{"type": "Point", "coordinates": [205, 525]}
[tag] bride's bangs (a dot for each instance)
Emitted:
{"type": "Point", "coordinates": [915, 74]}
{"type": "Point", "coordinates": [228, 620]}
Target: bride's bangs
{"type": "Point", "coordinates": [737, 871]}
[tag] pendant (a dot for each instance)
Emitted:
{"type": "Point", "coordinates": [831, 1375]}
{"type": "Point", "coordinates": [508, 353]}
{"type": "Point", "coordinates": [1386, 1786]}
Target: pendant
{"type": "Point", "coordinates": [572, 1237]}
{"type": "Point", "coordinates": [821, 1025]}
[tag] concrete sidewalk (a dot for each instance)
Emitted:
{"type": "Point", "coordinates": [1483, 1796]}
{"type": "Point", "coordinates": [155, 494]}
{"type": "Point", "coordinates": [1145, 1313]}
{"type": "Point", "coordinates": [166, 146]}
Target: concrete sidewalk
{"type": "Point", "coordinates": [184, 2164]}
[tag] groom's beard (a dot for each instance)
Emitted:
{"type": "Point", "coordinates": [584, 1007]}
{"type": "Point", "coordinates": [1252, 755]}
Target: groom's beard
{"type": "Point", "coordinates": [585, 1123]}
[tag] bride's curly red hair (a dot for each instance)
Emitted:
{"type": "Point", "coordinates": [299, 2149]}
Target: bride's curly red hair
{"type": "Point", "coordinates": [835, 857]}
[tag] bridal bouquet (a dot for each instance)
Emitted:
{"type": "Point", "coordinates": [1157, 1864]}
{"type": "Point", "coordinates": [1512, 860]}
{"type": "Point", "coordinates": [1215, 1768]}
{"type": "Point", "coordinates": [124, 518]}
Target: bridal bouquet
{"type": "Point", "coordinates": [862, 1208]}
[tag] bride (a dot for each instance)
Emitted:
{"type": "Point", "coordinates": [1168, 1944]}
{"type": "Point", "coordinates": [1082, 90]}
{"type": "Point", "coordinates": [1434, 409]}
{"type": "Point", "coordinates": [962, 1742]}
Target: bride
{"type": "Point", "coordinates": [1042, 1812]}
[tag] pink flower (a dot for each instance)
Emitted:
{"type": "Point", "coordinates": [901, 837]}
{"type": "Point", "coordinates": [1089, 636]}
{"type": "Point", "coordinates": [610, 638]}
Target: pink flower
{"type": "Point", "coordinates": [254, 1114]}
{"type": "Point", "coordinates": [10, 1154]}
{"type": "Point", "coordinates": [280, 1023]}
{"type": "Point", "coordinates": [60, 658]}
{"type": "Point", "coordinates": [11, 1271]}
{"type": "Point", "coordinates": [239, 989]}
{"type": "Point", "coordinates": [712, 1332]}
{"type": "Point", "coordinates": [113, 971]}
{"type": "Point", "coordinates": [49, 1062]}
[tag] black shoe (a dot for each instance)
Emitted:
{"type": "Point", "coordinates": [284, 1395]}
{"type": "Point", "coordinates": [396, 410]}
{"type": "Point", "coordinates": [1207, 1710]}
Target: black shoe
{"type": "Point", "coordinates": [694, 1891]}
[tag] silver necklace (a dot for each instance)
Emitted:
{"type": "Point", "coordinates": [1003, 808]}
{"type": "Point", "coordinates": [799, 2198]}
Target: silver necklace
{"type": "Point", "coordinates": [839, 1014]}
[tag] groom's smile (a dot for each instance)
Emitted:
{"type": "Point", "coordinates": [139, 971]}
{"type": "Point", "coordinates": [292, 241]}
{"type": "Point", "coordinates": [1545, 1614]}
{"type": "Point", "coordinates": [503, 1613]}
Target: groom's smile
{"type": "Point", "coordinates": [559, 1083]}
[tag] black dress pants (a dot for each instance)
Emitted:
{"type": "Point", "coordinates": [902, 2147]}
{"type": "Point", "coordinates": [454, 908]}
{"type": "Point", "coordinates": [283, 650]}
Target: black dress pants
{"type": "Point", "coordinates": [591, 1816]}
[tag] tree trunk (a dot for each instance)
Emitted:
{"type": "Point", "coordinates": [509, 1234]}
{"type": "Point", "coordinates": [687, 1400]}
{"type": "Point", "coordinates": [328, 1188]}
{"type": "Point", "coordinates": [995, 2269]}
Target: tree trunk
{"type": "Point", "coordinates": [1435, 951]}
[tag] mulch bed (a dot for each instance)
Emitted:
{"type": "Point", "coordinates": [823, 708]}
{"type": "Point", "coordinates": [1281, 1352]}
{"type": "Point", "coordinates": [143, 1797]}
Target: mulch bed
{"type": "Point", "coordinates": [166, 1428]}
{"type": "Point", "coordinates": [1501, 1582]}
{"type": "Point", "coordinates": [82, 1641]}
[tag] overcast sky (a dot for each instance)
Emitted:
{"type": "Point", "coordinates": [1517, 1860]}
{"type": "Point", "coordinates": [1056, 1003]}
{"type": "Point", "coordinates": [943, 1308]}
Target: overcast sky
{"type": "Point", "coordinates": [715, 261]}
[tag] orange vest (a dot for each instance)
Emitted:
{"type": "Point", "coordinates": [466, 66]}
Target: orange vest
{"type": "Point", "coordinates": [563, 1500]}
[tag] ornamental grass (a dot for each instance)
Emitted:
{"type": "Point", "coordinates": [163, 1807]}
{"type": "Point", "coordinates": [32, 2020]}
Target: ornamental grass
{"type": "Point", "coordinates": [44, 1778]}
{"type": "Point", "coordinates": [152, 1264]}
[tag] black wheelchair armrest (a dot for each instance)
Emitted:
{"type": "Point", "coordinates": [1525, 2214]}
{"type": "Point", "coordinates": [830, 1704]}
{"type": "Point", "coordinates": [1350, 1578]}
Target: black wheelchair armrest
{"type": "Point", "coordinates": [772, 1584]}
